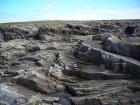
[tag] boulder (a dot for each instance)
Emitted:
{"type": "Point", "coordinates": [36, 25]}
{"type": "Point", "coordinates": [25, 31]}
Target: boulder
{"type": "Point", "coordinates": [35, 83]}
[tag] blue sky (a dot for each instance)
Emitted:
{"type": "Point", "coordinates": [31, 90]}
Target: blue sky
{"type": "Point", "coordinates": [31, 10]}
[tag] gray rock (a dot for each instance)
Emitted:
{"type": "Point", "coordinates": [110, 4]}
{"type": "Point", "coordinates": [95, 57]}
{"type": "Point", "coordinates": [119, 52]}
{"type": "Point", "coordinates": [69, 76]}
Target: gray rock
{"type": "Point", "coordinates": [36, 84]}
{"type": "Point", "coordinates": [4, 103]}
{"type": "Point", "coordinates": [130, 30]}
{"type": "Point", "coordinates": [127, 47]}
{"type": "Point", "coordinates": [1, 37]}
{"type": "Point", "coordinates": [21, 100]}
{"type": "Point", "coordinates": [134, 88]}
{"type": "Point", "coordinates": [65, 101]}
{"type": "Point", "coordinates": [86, 100]}
{"type": "Point", "coordinates": [98, 57]}
{"type": "Point", "coordinates": [51, 100]}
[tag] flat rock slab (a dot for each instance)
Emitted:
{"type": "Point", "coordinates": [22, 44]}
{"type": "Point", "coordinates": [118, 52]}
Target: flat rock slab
{"type": "Point", "coordinates": [108, 91]}
{"type": "Point", "coordinates": [36, 84]}
{"type": "Point", "coordinates": [114, 62]}
{"type": "Point", "coordinates": [87, 100]}
{"type": "Point", "coordinates": [93, 72]}
{"type": "Point", "coordinates": [129, 47]}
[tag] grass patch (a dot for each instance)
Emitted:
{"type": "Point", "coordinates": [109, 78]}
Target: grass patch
{"type": "Point", "coordinates": [5, 25]}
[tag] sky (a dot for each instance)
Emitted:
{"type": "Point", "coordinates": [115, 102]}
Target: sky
{"type": "Point", "coordinates": [35, 10]}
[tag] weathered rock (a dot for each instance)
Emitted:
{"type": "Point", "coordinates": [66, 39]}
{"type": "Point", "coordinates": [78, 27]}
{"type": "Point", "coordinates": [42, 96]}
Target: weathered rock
{"type": "Point", "coordinates": [113, 62]}
{"type": "Point", "coordinates": [86, 100]}
{"type": "Point", "coordinates": [11, 73]}
{"type": "Point", "coordinates": [16, 33]}
{"type": "Point", "coordinates": [44, 52]}
{"type": "Point", "coordinates": [60, 87]}
{"type": "Point", "coordinates": [42, 31]}
{"type": "Point", "coordinates": [4, 103]}
{"type": "Point", "coordinates": [71, 69]}
{"type": "Point", "coordinates": [51, 100]}
{"type": "Point", "coordinates": [1, 37]}
{"type": "Point", "coordinates": [21, 100]}
{"type": "Point", "coordinates": [110, 92]}
{"type": "Point", "coordinates": [36, 84]}
{"type": "Point", "coordinates": [93, 72]}
{"type": "Point", "coordinates": [128, 47]}
{"type": "Point", "coordinates": [98, 87]}
{"type": "Point", "coordinates": [65, 101]}
{"type": "Point", "coordinates": [130, 30]}
{"type": "Point", "coordinates": [134, 88]}
{"type": "Point", "coordinates": [33, 48]}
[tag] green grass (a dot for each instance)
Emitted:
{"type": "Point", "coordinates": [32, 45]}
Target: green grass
{"type": "Point", "coordinates": [5, 25]}
{"type": "Point", "coordinates": [61, 22]}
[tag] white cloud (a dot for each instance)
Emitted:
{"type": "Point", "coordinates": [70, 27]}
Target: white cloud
{"type": "Point", "coordinates": [105, 14]}
{"type": "Point", "coordinates": [98, 14]}
{"type": "Point", "coordinates": [50, 6]}
{"type": "Point", "coordinates": [118, 14]}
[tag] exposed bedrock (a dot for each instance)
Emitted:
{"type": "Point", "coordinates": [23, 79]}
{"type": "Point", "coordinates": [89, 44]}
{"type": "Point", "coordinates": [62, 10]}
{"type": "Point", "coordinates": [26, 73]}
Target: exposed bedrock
{"type": "Point", "coordinates": [114, 62]}
{"type": "Point", "coordinates": [40, 32]}
{"type": "Point", "coordinates": [37, 84]}
{"type": "Point", "coordinates": [128, 46]}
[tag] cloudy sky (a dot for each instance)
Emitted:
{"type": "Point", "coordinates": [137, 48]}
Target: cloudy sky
{"type": "Point", "coordinates": [31, 10]}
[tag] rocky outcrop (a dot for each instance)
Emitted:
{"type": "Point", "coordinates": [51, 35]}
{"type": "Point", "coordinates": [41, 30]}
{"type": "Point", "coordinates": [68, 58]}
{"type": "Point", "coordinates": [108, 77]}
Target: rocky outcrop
{"type": "Point", "coordinates": [40, 32]}
{"type": "Point", "coordinates": [1, 36]}
{"type": "Point", "coordinates": [86, 101]}
{"type": "Point", "coordinates": [128, 47]}
{"type": "Point", "coordinates": [130, 30]}
{"type": "Point", "coordinates": [113, 62]}
{"type": "Point", "coordinates": [36, 84]}
{"type": "Point", "coordinates": [92, 72]}
{"type": "Point", "coordinates": [102, 92]}
{"type": "Point", "coordinates": [42, 64]}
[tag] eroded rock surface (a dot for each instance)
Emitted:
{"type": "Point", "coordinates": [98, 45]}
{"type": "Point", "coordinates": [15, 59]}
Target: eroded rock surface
{"type": "Point", "coordinates": [81, 63]}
